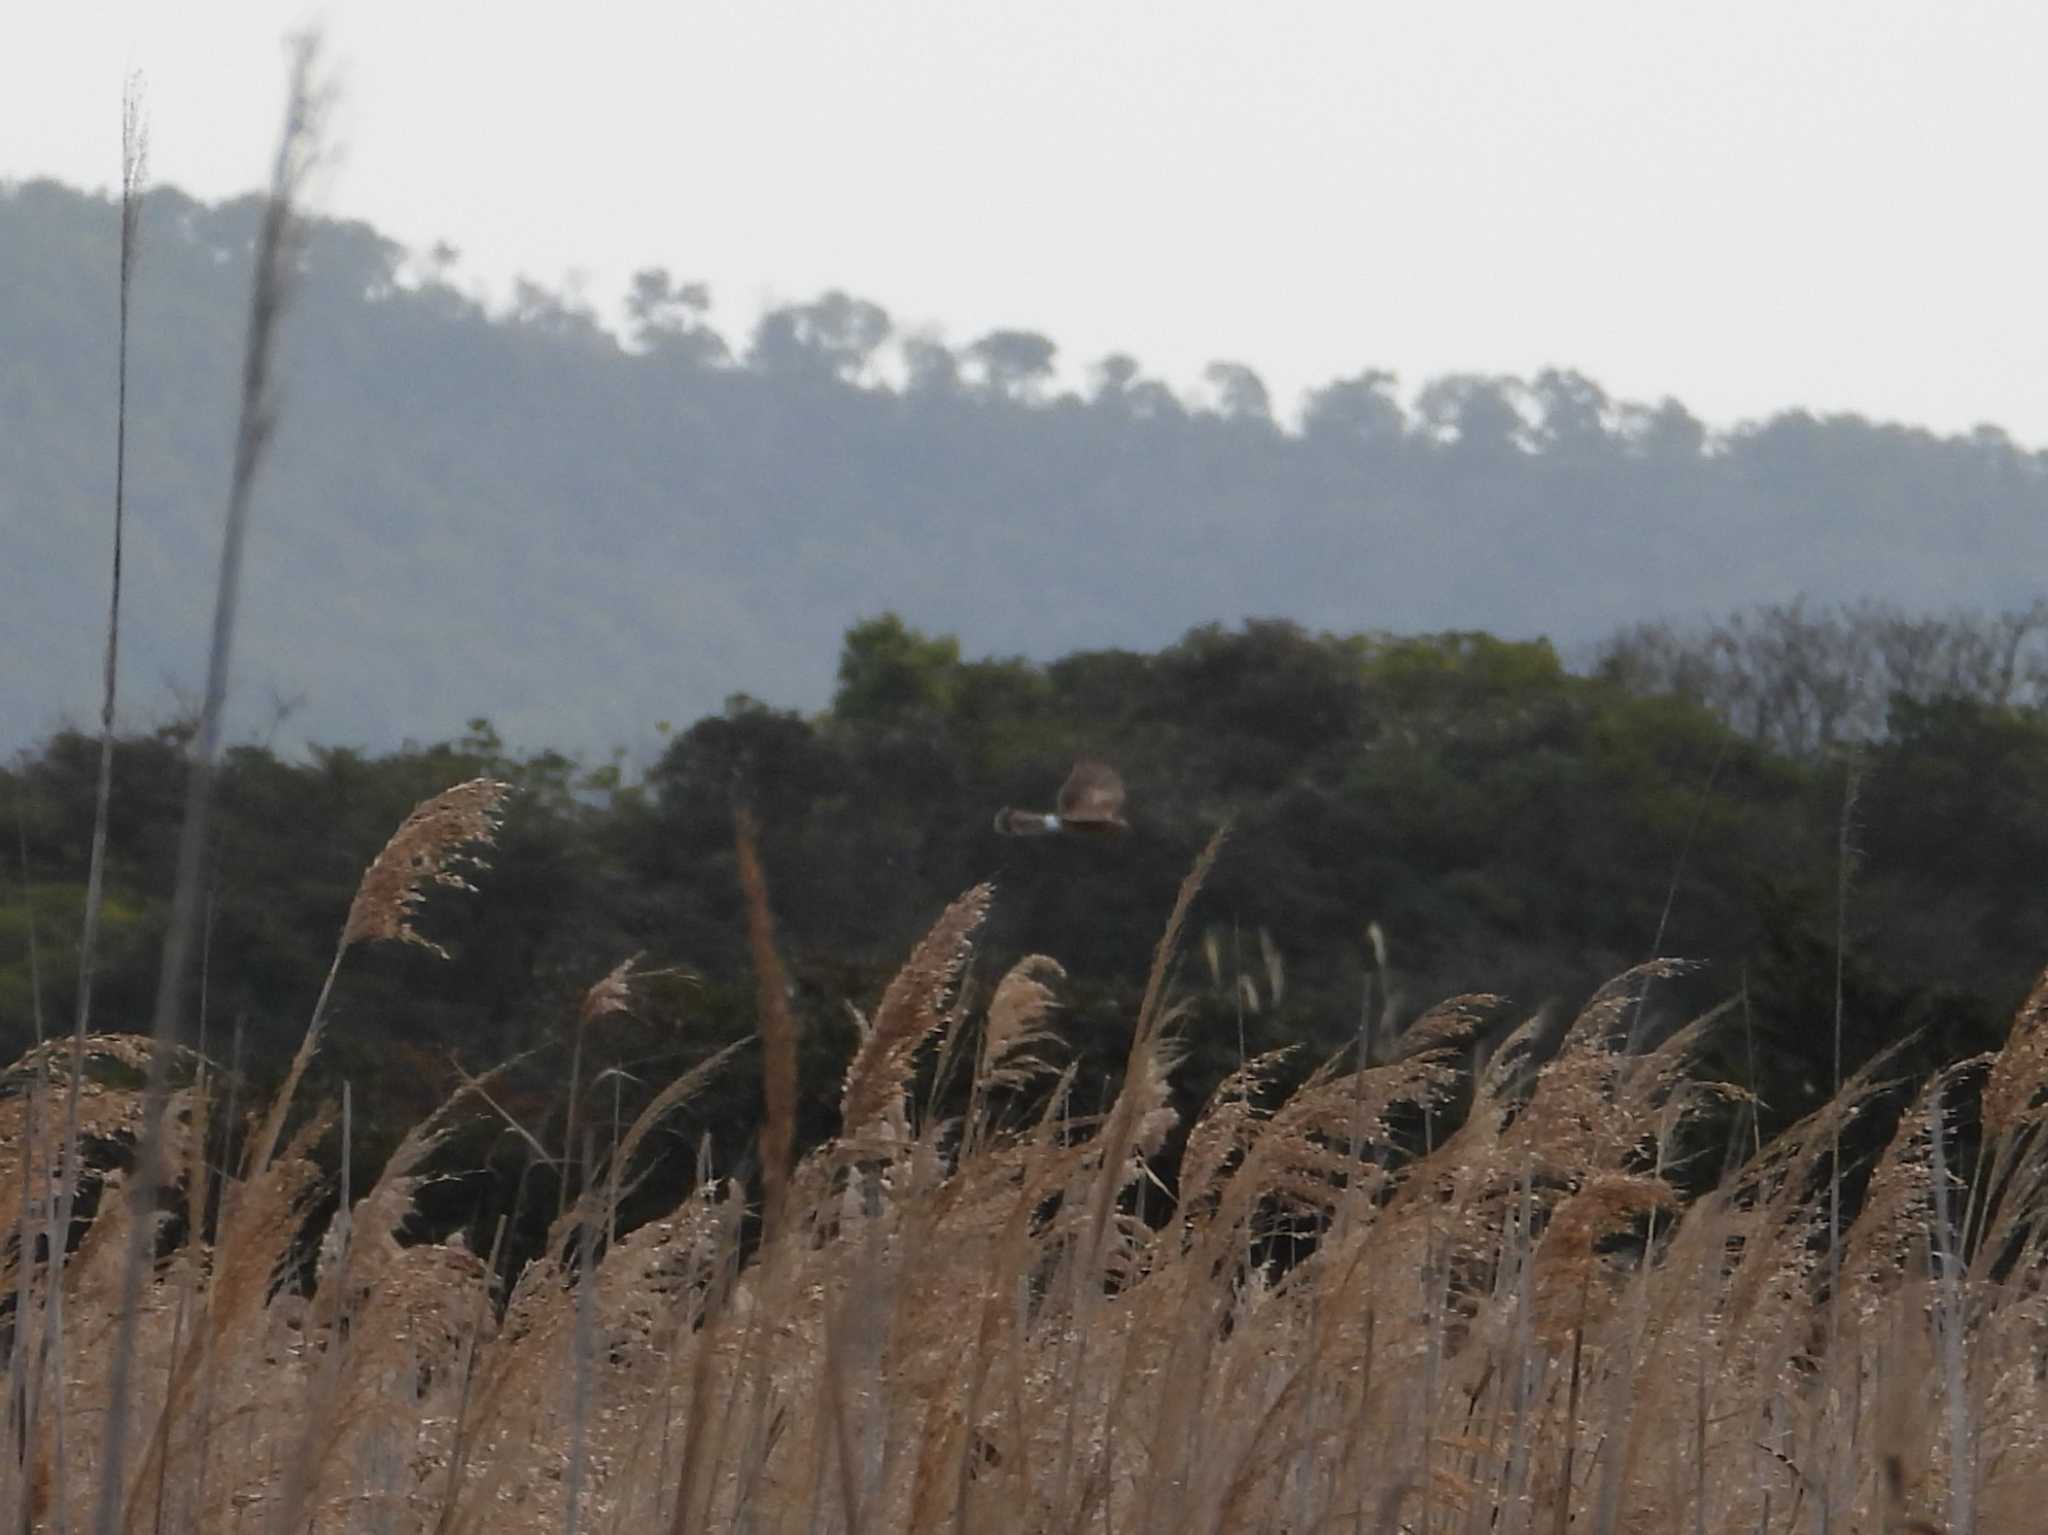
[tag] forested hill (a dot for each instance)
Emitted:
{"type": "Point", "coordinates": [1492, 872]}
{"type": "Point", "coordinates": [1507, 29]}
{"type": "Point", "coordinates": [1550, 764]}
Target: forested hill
{"type": "Point", "coordinates": [1410, 819]}
{"type": "Point", "coordinates": [520, 515]}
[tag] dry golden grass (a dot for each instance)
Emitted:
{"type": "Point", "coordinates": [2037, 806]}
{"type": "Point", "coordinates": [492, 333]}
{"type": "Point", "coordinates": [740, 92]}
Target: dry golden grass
{"type": "Point", "coordinates": [776, 1028]}
{"type": "Point", "coordinates": [1518, 1325]}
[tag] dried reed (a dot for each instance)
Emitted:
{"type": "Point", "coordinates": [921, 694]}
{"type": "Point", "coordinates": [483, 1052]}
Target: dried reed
{"type": "Point", "coordinates": [1519, 1326]}
{"type": "Point", "coordinates": [776, 1027]}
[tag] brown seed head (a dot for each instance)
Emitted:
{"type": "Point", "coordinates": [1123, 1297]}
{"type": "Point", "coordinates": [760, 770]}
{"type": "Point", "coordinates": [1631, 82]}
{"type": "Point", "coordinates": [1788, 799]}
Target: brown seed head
{"type": "Point", "coordinates": [613, 994]}
{"type": "Point", "coordinates": [425, 850]}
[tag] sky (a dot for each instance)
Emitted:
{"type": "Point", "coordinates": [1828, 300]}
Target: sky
{"type": "Point", "coordinates": [1749, 207]}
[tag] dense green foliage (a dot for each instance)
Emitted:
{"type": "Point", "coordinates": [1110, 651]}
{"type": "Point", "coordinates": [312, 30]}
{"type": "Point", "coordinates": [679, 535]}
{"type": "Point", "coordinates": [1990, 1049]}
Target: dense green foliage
{"type": "Point", "coordinates": [1510, 826]}
{"type": "Point", "coordinates": [524, 515]}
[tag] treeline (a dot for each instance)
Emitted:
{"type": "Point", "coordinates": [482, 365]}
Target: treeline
{"type": "Point", "coordinates": [1807, 679]}
{"type": "Point", "coordinates": [1411, 817]}
{"type": "Point", "coordinates": [517, 512]}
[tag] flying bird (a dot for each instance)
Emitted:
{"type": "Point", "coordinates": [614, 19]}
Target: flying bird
{"type": "Point", "coordinates": [1091, 803]}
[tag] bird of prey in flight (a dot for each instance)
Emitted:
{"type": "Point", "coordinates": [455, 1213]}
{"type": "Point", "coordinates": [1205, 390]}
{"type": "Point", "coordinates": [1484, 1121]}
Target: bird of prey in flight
{"type": "Point", "coordinates": [1091, 803]}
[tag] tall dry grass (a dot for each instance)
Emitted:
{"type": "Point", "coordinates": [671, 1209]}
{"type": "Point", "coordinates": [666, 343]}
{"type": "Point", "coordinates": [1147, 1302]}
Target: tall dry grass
{"type": "Point", "coordinates": [1509, 1309]}
{"type": "Point", "coordinates": [1506, 1316]}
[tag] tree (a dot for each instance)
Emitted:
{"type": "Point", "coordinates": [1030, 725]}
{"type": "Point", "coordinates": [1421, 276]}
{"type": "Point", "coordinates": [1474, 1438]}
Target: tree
{"type": "Point", "coordinates": [1476, 416]}
{"type": "Point", "coordinates": [889, 672]}
{"type": "Point", "coordinates": [1354, 412]}
{"type": "Point", "coordinates": [1240, 393]}
{"type": "Point", "coordinates": [770, 759]}
{"type": "Point", "coordinates": [1571, 416]}
{"type": "Point", "coordinates": [355, 259]}
{"type": "Point", "coordinates": [559, 315]}
{"type": "Point", "coordinates": [1666, 434]}
{"type": "Point", "coordinates": [1114, 375]}
{"type": "Point", "coordinates": [832, 337]}
{"type": "Point", "coordinates": [1014, 363]}
{"type": "Point", "coordinates": [1805, 678]}
{"type": "Point", "coordinates": [1121, 391]}
{"type": "Point", "coordinates": [931, 367]}
{"type": "Point", "coordinates": [668, 319]}
{"type": "Point", "coordinates": [1270, 683]}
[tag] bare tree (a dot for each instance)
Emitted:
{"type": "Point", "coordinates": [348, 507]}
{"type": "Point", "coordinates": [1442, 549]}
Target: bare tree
{"type": "Point", "coordinates": [1806, 680]}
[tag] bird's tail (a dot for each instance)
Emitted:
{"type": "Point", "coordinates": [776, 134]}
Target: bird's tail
{"type": "Point", "coordinates": [1023, 823]}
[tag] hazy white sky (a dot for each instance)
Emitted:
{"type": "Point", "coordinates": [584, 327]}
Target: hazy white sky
{"type": "Point", "coordinates": [1748, 206]}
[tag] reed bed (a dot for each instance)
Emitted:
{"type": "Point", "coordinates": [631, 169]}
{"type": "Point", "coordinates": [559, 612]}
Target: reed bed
{"type": "Point", "coordinates": [1512, 1300]}
{"type": "Point", "coordinates": [1509, 1307]}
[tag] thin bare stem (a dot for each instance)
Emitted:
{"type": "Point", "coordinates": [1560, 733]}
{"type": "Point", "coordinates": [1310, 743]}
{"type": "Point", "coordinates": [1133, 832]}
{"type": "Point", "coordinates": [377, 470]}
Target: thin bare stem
{"type": "Point", "coordinates": [134, 177]}
{"type": "Point", "coordinates": [270, 286]}
{"type": "Point", "coordinates": [134, 174]}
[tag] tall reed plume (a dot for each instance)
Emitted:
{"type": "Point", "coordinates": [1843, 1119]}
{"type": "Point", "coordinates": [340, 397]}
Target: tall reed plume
{"type": "Point", "coordinates": [1431, 1291]}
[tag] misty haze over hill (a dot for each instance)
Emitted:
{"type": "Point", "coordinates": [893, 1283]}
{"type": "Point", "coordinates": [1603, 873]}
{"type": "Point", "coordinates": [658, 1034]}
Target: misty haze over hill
{"type": "Point", "coordinates": [523, 517]}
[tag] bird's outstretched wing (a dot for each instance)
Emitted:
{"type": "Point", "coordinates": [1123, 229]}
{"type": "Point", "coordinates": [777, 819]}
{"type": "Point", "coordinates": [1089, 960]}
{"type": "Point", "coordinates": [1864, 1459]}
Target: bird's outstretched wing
{"type": "Point", "coordinates": [1093, 794]}
{"type": "Point", "coordinates": [1025, 823]}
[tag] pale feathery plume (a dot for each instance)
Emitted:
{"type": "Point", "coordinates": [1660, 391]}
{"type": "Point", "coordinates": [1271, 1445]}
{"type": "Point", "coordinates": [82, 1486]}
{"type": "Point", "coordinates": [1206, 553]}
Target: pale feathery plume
{"type": "Point", "coordinates": [2013, 1095]}
{"type": "Point", "coordinates": [910, 1013]}
{"type": "Point", "coordinates": [613, 994]}
{"type": "Point", "coordinates": [427, 849]}
{"type": "Point", "coordinates": [1017, 1016]}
